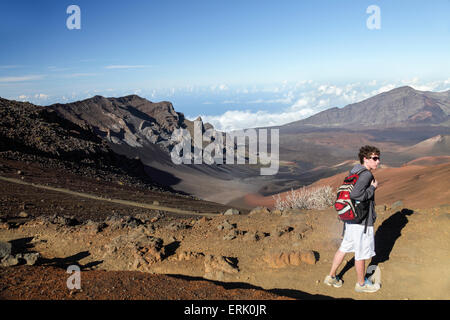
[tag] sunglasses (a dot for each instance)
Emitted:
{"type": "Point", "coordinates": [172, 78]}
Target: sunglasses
{"type": "Point", "coordinates": [375, 158]}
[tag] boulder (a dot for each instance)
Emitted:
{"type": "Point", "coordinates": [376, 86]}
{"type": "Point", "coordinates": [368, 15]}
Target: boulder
{"type": "Point", "coordinates": [226, 225]}
{"type": "Point", "coordinates": [231, 212]}
{"type": "Point", "coordinates": [23, 214]}
{"type": "Point", "coordinates": [5, 249]}
{"type": "Point", "coordinates": [259, 210]}
{"type": "Point", "coordinates": [218, 267]}
{"type": "Point", "coordinates": [31, 258]}
{"type": "Point", "coordinates": [64, 221]}
{"type": "Point", "coordinates": [278, 259]}
{"type": "Point", "coordinates": [150, 254]}
{"type": "Point", "coordinates": [280, 230]}
{"type": "Point", "coordinates": [140, 250]}
{"type": "Point", "coordinates": [175, 226]}
{"type": "Point", "coordinates": [232, 234]}
{"type": "Point", "coordinates": [116, 221]}
{"type": "Point", "coordinates": [9, 261]}
{"type": "Point", "coordinates": [308, 257]}
{"type": "Point", "coordinates": [254, 236]}
{"type": "Point", "coordinates": [95, 227]}
{"type": "Point", "coordinates": [293, 258]}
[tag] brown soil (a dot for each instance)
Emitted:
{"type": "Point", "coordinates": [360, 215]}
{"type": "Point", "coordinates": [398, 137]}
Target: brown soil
{"type": "Point", "coordinates": [412, 246]}
{"type": "Point", "coordinates": [39, 282]}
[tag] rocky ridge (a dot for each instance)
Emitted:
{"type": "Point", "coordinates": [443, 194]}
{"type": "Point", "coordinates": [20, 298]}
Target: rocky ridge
{"type": "Point", "coordinates": [403, 106]}
{"type": "Point", "coordinates": [130, 120]}
{"type": "Point", "coordinates": [31, 133]}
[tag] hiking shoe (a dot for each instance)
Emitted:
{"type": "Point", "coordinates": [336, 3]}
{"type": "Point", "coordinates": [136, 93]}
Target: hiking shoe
{"type": "Point", "coordinates": [368, 287]}
{"type": "Point", "coordinates": [333, 281]}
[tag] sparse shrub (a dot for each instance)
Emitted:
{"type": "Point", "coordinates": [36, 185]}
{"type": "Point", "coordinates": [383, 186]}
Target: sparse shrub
{"type": "Point", "coordinates": [318, 198]}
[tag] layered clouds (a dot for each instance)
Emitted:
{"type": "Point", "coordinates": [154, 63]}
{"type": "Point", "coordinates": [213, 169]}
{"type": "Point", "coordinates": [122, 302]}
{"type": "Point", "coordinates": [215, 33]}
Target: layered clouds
{"type": "Point", "coordinates": [293, 101]}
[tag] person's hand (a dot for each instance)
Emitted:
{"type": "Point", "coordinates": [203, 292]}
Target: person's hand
{"type": "Point", "coordinates": [374, 183]}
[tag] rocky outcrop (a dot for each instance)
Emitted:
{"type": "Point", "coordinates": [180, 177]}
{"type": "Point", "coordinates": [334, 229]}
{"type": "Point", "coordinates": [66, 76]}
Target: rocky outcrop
{"type": "Point", "coordinates": [290, 258]}
{"type": "Point", "coordinates": [135, 251]}
{"type": "Point", "coordinates": [219, 267]}
{"type": "Point", "coordinates": [129, 120]}
{"type": "Point", "coordinates": [8, 259]}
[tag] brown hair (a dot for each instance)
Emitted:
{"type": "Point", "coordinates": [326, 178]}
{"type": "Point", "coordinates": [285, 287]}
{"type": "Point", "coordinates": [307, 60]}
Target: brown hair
{"type": "Point", "coordinates": [366, 152]}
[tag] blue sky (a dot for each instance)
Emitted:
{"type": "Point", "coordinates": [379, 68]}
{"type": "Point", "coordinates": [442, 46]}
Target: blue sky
{"type": "Point", "coordinates": [233, 62]}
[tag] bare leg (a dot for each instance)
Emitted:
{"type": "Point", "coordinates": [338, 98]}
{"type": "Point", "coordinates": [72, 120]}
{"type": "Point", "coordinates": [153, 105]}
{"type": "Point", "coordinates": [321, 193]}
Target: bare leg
{"type": "Point", "coordinates": [337, 260]}
{"type": "Point", "coordinates": [360, 266]}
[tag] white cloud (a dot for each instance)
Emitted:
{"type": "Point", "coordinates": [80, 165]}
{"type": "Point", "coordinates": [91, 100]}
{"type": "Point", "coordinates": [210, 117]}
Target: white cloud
{"type": "Point", "coordinates": [237, 119]}
{"type": "Point", "coordinates": [220, 87]}
{"type": "Point", "coordinates": [21, 78]}
{"type": "Point", "coordinates": [41, 96]}
{"type": "Point", "coordinates": [303, 102]}
{"type": "Point", "coordinates": [327, 89]}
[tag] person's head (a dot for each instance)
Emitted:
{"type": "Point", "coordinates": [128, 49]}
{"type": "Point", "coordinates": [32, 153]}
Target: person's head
{"type": "Point", "coordinates": [369, 156]}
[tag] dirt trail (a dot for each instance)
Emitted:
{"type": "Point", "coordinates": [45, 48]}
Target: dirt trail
{"type": "Point", "coordinates": [118, 201]}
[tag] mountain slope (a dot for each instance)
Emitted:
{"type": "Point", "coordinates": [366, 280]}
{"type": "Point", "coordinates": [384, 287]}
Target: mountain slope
{"type": "Point", "coordinates": [400, 106]}
{"type": "Point", "coordinates": [138, 128]}
{"type": "Point", "coordinates": [37, 134]}
{"type": "Point", "coordinates": [131, 119]}
{"type": "Point", "coordinates": [434, 146]}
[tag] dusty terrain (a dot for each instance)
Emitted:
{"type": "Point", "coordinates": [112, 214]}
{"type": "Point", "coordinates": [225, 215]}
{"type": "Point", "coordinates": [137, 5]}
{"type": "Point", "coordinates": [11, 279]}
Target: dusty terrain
{"type": "Point", "coordinates": [124, 250]}
{"type": "Point", "coordinates": [417, 186]}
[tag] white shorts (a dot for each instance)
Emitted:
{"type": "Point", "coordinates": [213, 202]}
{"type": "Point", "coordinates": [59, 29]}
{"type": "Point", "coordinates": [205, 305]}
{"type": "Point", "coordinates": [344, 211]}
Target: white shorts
{"type": "Point", "coordinates": [355, 240]}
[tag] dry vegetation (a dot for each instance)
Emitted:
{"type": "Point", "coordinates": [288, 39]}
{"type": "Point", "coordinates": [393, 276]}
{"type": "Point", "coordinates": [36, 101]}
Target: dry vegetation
{"type": "Point", "coordinates": [317, 198]}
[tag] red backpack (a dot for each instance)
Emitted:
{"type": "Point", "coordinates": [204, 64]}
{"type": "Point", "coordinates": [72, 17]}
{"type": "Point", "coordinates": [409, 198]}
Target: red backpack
{"type": "Point", "coordinates": [350, 210]}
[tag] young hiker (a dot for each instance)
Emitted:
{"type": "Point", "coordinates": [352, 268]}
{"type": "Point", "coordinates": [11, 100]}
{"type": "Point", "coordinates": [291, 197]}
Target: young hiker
{"type": "Point", "coordinates": [359, 237]}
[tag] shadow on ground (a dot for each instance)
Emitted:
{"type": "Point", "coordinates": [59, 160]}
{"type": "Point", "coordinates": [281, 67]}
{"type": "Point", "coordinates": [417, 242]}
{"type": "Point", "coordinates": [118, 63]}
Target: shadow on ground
{"type": "Point", "coordinates": [64, 263]}
{"type": "Point", "coordinates": [24, 245]}
{"type": "Point", "coordinates": [385, 238]}
{"type": "Point", "coordinates": [290, 293]}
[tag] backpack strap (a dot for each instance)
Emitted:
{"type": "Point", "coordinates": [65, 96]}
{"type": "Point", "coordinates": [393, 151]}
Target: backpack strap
{"type": "Point", "coordinates": [365, 224]}
{"type": "Point", "coordinates": [367, 218]}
